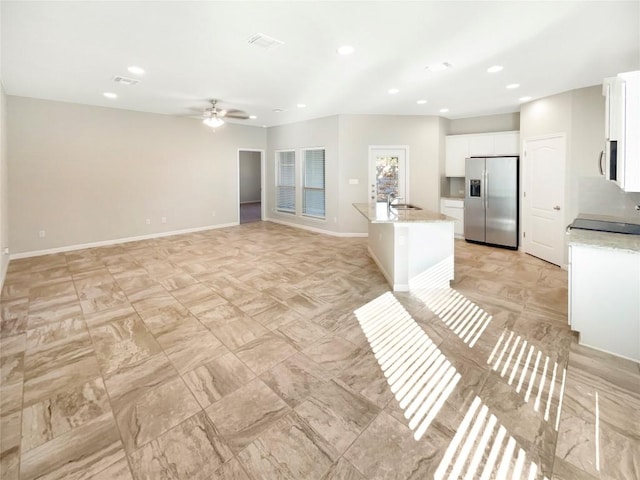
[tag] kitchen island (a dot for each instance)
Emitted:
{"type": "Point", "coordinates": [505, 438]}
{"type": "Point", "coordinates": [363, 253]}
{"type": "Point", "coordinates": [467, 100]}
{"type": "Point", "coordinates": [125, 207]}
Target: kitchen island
{"type": "Point", "coordinates": [410, 245]}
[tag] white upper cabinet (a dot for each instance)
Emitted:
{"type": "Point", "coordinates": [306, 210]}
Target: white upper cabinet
{"type": "Point", "coordinates": [457, 150]}
{"type": "Point", "coordinates": [459, 147]}
{"type": "Point", "coordinates": [622, 123]}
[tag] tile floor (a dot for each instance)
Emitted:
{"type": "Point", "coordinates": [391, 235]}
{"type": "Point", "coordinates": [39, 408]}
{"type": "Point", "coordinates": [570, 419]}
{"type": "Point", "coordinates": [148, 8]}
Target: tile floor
{"type": "Point", "coordinates": [236, 353]}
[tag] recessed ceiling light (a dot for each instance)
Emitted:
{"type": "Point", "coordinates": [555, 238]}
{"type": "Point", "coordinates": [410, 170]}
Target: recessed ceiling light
{"type": "Point", "coordinates": [524, 99]}
{"type": "Point", "coordinates": [301, 105]}
{"type": "Point", "coordinates": [495, 69]}
{"type": "Point", "coordinates": [252, 117]}
{"type": "Point", "coordinates": [421, 102]}
{"type": "Point", "coordinates": [136, 70]}
{"type": "Point", "coordinates": [110, 95]}
{"type": "Point", "coordinates": [393, 91]}
{"type": "Point", "coordinates": [438, 67]}
{"type": "Point", "coordinates": [346, 50]}
{"type": "Point", "coordinates": [278, 110]}
{"type": "Point", "coordinates": [511, 86]}
{"type": "Point", "coordinates": [444, 110]}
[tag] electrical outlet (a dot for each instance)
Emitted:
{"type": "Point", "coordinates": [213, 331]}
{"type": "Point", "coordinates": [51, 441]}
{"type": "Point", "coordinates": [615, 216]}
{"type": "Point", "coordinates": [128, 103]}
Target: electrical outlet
{"type": "Point", "coordinates": [42, 233]}
{"type": "Point", "coordinates": [6, 251]}
{"type": "Point", "coordinates": [148, 221]}
{"type": "Point", "coordinates": [213, 213]}
{"type": "Point", "coordinates": [163, 219]}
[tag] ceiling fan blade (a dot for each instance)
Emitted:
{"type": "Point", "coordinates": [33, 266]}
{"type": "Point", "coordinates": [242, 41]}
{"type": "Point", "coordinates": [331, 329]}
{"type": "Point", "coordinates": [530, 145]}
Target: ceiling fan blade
{"type": "Point", "coordinates": [237, 114]}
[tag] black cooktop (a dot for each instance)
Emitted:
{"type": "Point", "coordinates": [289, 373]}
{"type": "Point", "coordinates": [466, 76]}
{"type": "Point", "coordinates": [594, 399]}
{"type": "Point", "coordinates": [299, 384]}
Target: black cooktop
{"type": "Point", "coordinates": [606, 226]}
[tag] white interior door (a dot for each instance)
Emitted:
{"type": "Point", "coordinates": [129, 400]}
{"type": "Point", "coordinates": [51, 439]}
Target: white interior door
{"type": "Point", "coordinates": [543, 198]}
{"type": "Point", "coordinates": [387, 173]}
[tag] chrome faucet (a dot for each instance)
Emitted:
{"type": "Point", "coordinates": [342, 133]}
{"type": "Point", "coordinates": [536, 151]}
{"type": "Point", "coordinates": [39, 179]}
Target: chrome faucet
{"type": "Point", "coordinates": [390, 199]}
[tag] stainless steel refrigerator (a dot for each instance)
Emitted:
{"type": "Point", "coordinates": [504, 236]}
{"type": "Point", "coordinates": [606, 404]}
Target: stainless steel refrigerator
{"type": "Point", "coordinates": [491, 201]}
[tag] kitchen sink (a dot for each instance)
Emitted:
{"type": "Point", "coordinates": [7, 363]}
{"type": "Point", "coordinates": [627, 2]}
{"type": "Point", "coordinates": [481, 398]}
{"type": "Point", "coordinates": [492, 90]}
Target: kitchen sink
{"type": "Point", "coordinates": [404, 206]}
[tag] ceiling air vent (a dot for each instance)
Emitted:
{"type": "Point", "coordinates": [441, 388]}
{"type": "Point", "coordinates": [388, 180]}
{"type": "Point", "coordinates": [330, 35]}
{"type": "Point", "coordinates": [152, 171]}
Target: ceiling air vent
{"type": "Point", "coordinates": [125, 80]}
{"type": "Point", "coordinates": [264, 41]}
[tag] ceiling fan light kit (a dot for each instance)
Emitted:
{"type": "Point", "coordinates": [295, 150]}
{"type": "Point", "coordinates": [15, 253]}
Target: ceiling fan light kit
{"type": "Point", "coordinates": [213, 122]}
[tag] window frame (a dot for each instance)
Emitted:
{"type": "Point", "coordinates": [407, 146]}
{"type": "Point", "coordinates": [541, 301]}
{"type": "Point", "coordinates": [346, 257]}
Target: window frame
{"type": "Point", "coordinates": [303, 182]}
{"type": "Point", "coordinates": [279, 185]}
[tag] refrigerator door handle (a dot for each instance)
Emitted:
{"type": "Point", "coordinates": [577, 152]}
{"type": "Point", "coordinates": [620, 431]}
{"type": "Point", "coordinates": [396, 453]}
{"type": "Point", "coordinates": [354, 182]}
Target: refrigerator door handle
{"type": "Point", "coordinates": [486, 190]}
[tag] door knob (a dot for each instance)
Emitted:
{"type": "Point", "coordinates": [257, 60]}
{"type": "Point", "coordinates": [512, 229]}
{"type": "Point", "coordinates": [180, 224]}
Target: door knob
{"type": "Point", "coordinates": [557, 207]}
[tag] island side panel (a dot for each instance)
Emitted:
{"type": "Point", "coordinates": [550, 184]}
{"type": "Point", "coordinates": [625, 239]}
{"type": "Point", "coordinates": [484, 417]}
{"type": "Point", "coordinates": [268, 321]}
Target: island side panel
{"type": "Point", "coordinates": [430, 256]}
{"type": "Point", "coordinates": [382, 247]}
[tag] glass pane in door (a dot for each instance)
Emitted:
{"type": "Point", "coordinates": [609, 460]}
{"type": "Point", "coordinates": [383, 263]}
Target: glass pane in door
{"type": "Point", "coordinates": [387, 177]}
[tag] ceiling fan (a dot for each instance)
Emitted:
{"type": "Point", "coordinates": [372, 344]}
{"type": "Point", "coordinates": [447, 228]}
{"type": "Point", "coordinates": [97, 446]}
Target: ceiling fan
{"type": "Point", "coordinates": [213, 116]}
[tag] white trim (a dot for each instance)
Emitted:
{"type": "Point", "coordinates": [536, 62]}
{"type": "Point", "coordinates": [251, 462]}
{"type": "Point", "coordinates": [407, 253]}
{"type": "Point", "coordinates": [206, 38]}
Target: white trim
{"type": "Point", "coordinates": [104, 243]}
{"type": "Point", "coordinates": [262, 180]}
{"type": "Point", "coordinates": [317, 230]}
{"type": "Point", "coordinates": [396, 287]}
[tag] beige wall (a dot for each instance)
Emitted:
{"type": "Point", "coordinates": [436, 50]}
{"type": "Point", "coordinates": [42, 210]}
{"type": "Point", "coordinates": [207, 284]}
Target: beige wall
{"type": "Point", "coordinates": [89, 174]}
{"type": "Point", "coordinates": [505, 122]}
{"type": "Point", "coordinates": [579, 114]}
{"type": "Point", "coordinates": [249, 176]}
{"type": "Point", "coordinates": [4, 190]}
{"type": "Point", "coordinates": [321, 132]}
{"type": "Point", "coordinates": [423, 135]}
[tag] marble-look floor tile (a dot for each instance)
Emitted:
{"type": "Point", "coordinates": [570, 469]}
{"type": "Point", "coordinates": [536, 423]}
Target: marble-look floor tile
{"type": "Point", "coordinates": [295, 379]}
{"type": "Point", "coordinates": [291, 450]}
{"type": "Point", "coordinates": [217, 378]}
{"type": "Point", "coordinates": [239, 332]}
{"type": "Point", "coordinates": [343, 470]}
{"type": "Point", "coordinates": [10, 445]}
{"type": "Point", "coordinates": [119, 312]}
{"type": "Point", "coordinates": [116, 471]}
{"type": "Point", "coordinates": [232, 470]}
{"type": "Point", "coordinates": [11, 369]}
{"type": "Point", "coordinates": [364, 376]}
{"type": "Point", "coordinates": [277, 316]}
{"type": "Point", "coordinates": [220, 316]}
{"type": "Point", "coordinates": [337, 414]}
{"type": "Point", "coordinates": [255, 304]}
{"type": "Point", "coordinates": [190, 345]}
{"type": "Point", "coordinates": [51, 369]}
{"type": "Point", "coordinates": [69, 409]}
{"type": "Point", "coordinates": [191, 450]}
{"type": "Point", "coordinates": [104, 302]}
{"type": "Point", "coordinates": [387, 450]}
{"type": "Point", "coordinates": [167, 318]}
{"type": "Point", "coordinates": [301, 333]}
{"type": "Point", "coordinates": [121, 343]}
{"type": "Point", "coordinates": [264, 352]}
{"type": "Point", "coordinates": [46, 314]}
{"type": "Point", "coordinates": [143, 417]}
{"type": "Point", "coordinates": [14, 317]}
{"type": "Point", "coordinates": [242, 416]}
{"type": "Point", "coordinates": [77, 454]}
{"type": "Point", "coordinates": [56, 332]}
{"type": "Point", "coordinates": [332, 353]}
{"type": "Point", "coordinates": [198, 298]}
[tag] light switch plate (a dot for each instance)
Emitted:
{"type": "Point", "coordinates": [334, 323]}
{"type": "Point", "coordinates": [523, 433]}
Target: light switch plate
{"type": "Point", "coordinates": [354, 181]}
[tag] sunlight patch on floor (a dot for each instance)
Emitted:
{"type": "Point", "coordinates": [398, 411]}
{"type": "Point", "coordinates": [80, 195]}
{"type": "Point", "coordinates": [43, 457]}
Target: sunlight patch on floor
{"type": "Point", "coordinates": [478, 433]}
{"type": "Point", "coordinates": [463, 317]}
{"type": "Point", "coordinates": [420, 376]}
{"type": "Point", "coordinates": [512, 354]}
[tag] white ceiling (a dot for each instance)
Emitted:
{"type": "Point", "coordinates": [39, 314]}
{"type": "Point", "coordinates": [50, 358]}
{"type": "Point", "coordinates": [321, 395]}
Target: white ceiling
{"type": "Point", "coordinates": [193, 51]}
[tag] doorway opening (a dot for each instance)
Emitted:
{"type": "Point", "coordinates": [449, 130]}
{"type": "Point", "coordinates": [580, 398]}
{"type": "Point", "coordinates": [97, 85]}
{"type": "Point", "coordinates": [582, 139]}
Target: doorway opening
{"type": "Point", "coordinates": [388, 173]}
{"type": "Point", "coordinates": [250, 185]}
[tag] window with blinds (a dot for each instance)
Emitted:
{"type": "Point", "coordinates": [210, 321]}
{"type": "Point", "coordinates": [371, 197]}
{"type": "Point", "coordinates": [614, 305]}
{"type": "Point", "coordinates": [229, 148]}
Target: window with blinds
{"type": "Point", "coordinates": [286, 181]}
{"type": "Point", "coordinates": [313, 198]}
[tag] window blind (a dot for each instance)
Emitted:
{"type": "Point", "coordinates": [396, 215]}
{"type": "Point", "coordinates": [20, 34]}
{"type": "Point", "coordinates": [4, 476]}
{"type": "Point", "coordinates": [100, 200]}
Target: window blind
{"type": "Point", "coordinates": [286, 201]}
{"type": "Point", "coordinates": [314, 184]}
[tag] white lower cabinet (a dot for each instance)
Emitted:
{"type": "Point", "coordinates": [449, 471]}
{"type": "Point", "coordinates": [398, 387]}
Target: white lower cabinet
{"type": "Point", "coordinates": [454, 208]}
{"type": "Point", "coordinates": [604, 299]}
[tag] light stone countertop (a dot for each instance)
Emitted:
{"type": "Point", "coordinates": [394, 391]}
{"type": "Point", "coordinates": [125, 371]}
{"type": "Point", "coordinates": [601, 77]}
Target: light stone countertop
{"type": "Point", "coordinates": [377, 213]}
{"type": "Point", "coordinates": [606, 240]}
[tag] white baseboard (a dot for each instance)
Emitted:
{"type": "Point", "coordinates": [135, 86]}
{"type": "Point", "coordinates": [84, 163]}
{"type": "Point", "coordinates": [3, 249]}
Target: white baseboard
{"type": "Point", "coordinates": [105, 243]}
{"type": "Point", "coordinates": [317, 230]}
{"type": "Point", "coordinates": [396, 287]}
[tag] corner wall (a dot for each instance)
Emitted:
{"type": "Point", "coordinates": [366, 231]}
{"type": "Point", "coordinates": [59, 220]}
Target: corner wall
{"type": "Point", "coordinates": [4, 188]}
{"type": "Point", "coordinates": [86, 174]}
